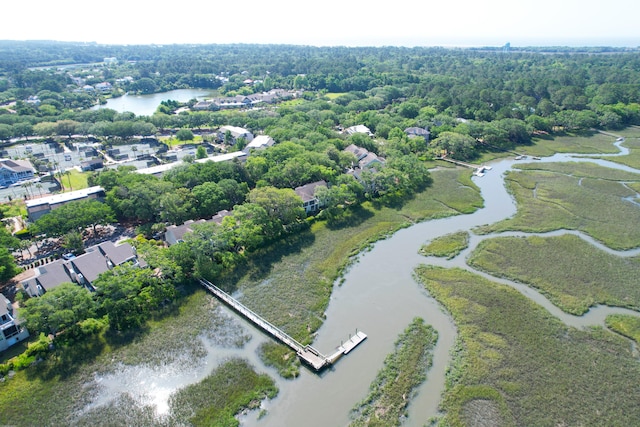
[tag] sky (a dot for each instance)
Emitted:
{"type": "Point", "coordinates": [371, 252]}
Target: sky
{"type": "Point", "coordinates": [410, 23]}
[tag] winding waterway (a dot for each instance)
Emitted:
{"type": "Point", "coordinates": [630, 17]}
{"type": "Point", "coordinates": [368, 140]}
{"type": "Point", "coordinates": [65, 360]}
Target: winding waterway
{"type": "Point", "coordinates": [380, 297]}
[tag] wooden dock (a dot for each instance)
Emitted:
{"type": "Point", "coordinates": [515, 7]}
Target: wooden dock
{"type": "Point", "coordinates": [307, 354]}
{"type": "Point", "coordinates": [479, 170]}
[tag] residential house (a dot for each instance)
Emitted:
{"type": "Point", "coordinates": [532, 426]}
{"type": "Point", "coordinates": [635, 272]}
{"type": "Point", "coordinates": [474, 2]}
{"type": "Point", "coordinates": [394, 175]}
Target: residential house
{"type": "Point", "coordinates": [260, 142]}
{"type": "Point", "coordinates": [370, 160]}
{"type": "Point", "coordinates": [236, 133]}
{"type": "Point", "coordinates": [306, 192]}
{"type": "Point", "coordinates": [92, 164]}
{"type": "Point", "coordinates": [358, 129]}
{"type": "Point", "coordinates": [104, 87]}
{"type": "Point", "coordinates": [33, 100]}
{"type": "Point", "coordinates": [359, 152]}
{"type": "Point", "coordinates": [364, 157]}
{"type": "Point", "coordinates": [244, 101]}
{"type": "Point", "coordinates": [175, 233]}
{"type": "Point", "coordinates": [417, 132]}
{"type": "Point", "coordinates": [160, 169]}
{"type": "Point", "coordinates": [204, 105]}
{"type": "Point", "coordinates": [11, 330]}
{"type": "Point", "coordinates": [366, 161]}
{"type": "Point", "coordinates": [13, 171]}
{"type": "Point", "coordinates": [83, 269]}
{"type": "Point", "coordinates": [38, 207]}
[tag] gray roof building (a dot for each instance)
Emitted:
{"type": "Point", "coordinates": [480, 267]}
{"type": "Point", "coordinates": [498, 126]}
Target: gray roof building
{"type": "Point", "coordinates": [83, 269]}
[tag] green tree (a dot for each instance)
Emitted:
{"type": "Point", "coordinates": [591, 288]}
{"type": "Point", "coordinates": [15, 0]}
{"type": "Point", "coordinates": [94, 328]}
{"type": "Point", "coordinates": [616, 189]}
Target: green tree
{"type": "Point", "coordinates": [201, 152]}
{"type": "Point", "coordinates": [127, 294]}
{"type": "Point", "coordinates": [281, 204]}
{"type": "Point", "coordinates": [45, 129]}
{"type": "Point", "coordinates": [409, 110]}
{"type": "Point", "coordinates": [58, 309]}
{"type": "Point", "coordinates": [72, 242]}
{"type": "Point", "coordinates": [184, 135]}
{"type": "Point", "coordinates": [455, 145]}
{"type": "Point", "coordinates": [8, 267]}
{"type": "Point", "coordinates": [177, 206]}
{"type": "Point", "coordinates": [67, 127]}
{"type": "Point", "coordinates": [6, 132]}
{"type": "Point", "coordinates": [75, 216]}
{"type": "Point", "coordinates": [251, 226]}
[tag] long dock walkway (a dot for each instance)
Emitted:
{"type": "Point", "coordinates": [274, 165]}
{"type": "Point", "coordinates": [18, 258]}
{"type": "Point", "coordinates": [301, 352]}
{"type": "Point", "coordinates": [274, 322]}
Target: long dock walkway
{"type": "Point", "coordinates": [307, 354]}
{"type": "Point", "coordinates": [479, 170]}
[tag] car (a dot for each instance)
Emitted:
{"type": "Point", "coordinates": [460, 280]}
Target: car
{"type": "Point", "coordinates": [68, 256]}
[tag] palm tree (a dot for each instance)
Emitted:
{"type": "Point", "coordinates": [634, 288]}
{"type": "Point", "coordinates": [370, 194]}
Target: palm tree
{"type": "Point", "coordinates": [39, 187]}
{"type": "Point", "coordinates": [68, 174]}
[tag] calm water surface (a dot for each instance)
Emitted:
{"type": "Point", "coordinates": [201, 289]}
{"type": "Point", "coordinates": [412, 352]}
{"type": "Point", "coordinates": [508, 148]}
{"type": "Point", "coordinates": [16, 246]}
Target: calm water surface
{"type": "Point", "coordinates": [145, 105]}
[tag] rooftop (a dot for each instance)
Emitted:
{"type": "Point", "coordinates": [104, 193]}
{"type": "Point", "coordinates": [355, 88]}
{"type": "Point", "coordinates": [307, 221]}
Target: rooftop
{"type": "Point", "coordinates": [64, 197]}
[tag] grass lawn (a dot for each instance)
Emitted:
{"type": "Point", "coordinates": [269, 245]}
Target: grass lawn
{"type": "Point", "coordinates": [575, 196]}
{"type": "Point", "coordinates": [334, 95]}
{"type": "Point", "coordinates": [173, 142]}
{"type": "Point", "coordinates": [572, 273]}
{"type": "Point", "coordinates": [514, 364]}
{"type": "Point", "coordinates": [76, 180]}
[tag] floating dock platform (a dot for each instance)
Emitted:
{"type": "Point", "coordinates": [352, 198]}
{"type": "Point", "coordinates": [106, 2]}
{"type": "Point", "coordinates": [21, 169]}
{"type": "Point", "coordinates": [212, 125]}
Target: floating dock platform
{"type": "Point", "coordinates": [307, 354]}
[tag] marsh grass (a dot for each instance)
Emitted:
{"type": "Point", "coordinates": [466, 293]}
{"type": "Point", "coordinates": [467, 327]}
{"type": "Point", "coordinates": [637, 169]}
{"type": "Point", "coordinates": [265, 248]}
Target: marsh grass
{"type": "Point", "coordinates": [583, 200]}
{"type": "Point", "coordinates": [216, 400]}
{"type": "Point", "coordinates": [289, 285]}
{"type": "Point", "coordinates": [58, 389]}
{"type": "Point", "coordinates": [280, 357]}
{"type": "Point", "coordinates": [403, 370]}
{"type": "Point", "coordinates": [582, 143]}
{"type": "Point", "coordinates": [628, 326]}
{"type": "Point", "coordinates": [447, 246]}
{"type": "Point", "coordinates": [633, 158]}
{"type": "Point", "coordinates": [572, 273]}
{"type": "Point", "coordinates": [521, 366]}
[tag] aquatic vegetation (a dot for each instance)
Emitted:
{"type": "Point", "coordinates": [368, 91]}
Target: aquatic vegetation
{"type": "Point", "coordinates": [517, 365]}
{"type": "Point", "coordinates": [583, 200]}
{"type": "Point", "coordinates": [403, 371]}
{"type": "Point", "coordinates": [447, 246]}
{"type": "Point", "coordinates": [571, 272]}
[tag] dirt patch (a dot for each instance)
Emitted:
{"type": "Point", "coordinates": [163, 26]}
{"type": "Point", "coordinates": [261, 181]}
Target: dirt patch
{"type": "Point", "coordinates": [482, 413]}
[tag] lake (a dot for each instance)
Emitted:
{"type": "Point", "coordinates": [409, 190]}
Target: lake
{"type": "Point", "coordinates": [145, 105]}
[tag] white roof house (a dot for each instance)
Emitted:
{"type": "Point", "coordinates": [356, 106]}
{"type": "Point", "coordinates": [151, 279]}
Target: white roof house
{"type": "Point", "coordinates": [38, 207]}
{"type": "Point", "coordinates": [260, 142]}
{"type": "Point", "coordinates": [236, 133]}
{"type": "Point", "coordinates": [160, 169]}
{"type": "Point", "coordinates": [358, 129]}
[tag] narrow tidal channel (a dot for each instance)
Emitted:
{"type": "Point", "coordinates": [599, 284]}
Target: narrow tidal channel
{"type": "Point", "coordinates": [380, 297]}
